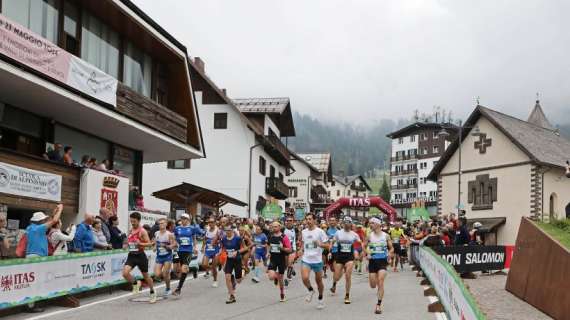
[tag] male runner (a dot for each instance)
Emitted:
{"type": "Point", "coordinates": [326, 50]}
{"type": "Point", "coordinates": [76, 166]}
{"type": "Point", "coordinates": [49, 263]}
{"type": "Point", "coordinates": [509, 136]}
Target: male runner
{"type": "Point", "coordinates": [234, 246]}
{"type": "Point", "coordinates": [291, 233]}
{"type": "Point", "coordinates": [165, 242]}
{"type": "Point", "coordinates": [380, 247]}
{"type": "Point", "coordinates": [344, 240]}
{"type": "Point", "coordinates": [137, 240]}
{"type": "Point", "coordinates": [260, 252]}
{"type": "Point", "coordinates": [314, 241]}
{"type": "Point", "coordinates": [331, 231]}
{"type": "Point", "coordinates": [395, 234]}
{"type": "Point", "coordinates": [186, 239]}
{"type": "Point", "coordinates": [361, 232]}
{"type": "Point", "coordinates": [211, 249]}
{"type": "Point", "coordinates": [279, 249]}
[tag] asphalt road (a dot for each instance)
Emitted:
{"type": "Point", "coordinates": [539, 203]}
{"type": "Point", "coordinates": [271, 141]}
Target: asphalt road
{"type": "Point", "coordinates": [403, 300]}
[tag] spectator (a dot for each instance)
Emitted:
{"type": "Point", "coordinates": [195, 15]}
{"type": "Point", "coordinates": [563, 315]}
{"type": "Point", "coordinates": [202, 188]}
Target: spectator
{"type": "Point", "coordinates": [433, 239]}
{"type": "Point", "coordinates": [4, 238]}
{"type": "Point", "coordinates": [92, 163]}
{"type": "Point", "coordinates": [445, 236]}
{"type": "Point", "coordinates": [139, 201]}
{"type": "Point", "coordinates": [67, 159]}
{"type": "Point", "coordinates": [36, 232]}
{"type": "Point", "coordinates": [104, 215]}
{"type": "Point", "coordinates": [117, 236]}
{"type": "Point", "coordinates": [55, 153]}
{"type": "Point", "coordinates": [475, 234]}
{"type": "Point", "coordinates": [84, 161]}
{"type": "Point", "coordinates": [99, 237]}
{"type": "Point", "coordinates": [84, 240]}
{"type": "Point", "coordinates": [104, 166]}
{"type": "Point", "coordinates": [59, 239]}
{"type": "Point", "coordinates": [462, 235]}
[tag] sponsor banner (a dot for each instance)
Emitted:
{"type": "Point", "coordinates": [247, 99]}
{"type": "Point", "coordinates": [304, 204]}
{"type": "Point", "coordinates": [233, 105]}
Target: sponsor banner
{"type": "Point", "coordinates": [27, 280]}
{"type": "Point", "coordinates": [475, 258]}
{"type": "Point", "coordinates": [25, 182]}
{"type": "Point", "coordinates": [272, 211]}
{"type": "Point", "coordinates": [453, 295]}
{"type": "Point", "coordinates": [30, 49]}
{"type": "Point", "coordinates": [149, 218]}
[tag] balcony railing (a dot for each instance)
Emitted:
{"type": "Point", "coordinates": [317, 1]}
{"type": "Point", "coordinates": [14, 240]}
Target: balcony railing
{"type": "Point", "coordinates": [276, 188]}
{"type": "Point", "coordinates": [404, 157]}
{"type": "Point", "coordinates": [404, 172]}
{"type": "Point", "coordinates": [277, 149]}
{"type": "Point", "coordinates": [405, 186]}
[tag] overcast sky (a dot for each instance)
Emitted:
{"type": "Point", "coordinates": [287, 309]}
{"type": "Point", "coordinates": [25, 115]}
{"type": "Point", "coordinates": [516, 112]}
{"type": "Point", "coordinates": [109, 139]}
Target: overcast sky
{"type": "Point", "coordinates": [369, 59]}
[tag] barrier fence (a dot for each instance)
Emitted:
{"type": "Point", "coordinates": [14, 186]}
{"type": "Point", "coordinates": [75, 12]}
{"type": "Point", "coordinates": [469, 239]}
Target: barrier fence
{"type": "Point", "coordinates": [458, 302]}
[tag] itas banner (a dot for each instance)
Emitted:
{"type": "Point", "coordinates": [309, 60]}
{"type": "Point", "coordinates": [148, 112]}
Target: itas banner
{"type": "Point", "coordinates": [28, 280]}
{"type": "Point", "coordinates": [476, 258]}
{"type": "Point", "coordinates": [25, 182]}
{"type": "Point", "coordinates": [32, 50]}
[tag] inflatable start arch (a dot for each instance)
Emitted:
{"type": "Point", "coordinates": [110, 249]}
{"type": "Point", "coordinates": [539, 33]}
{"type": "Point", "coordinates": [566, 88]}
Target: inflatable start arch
{"type": "Point", "coordinates": [361, 203]}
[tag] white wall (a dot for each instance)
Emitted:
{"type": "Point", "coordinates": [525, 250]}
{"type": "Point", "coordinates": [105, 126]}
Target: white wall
{"type": "Point", "coordinates": [301, 179]}
{"type": "Point", "coordinates": [406, 145]}
{"type": "Point", "coordinates": [423, 173]}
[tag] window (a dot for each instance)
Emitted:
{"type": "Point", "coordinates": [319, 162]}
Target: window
{"type": "Point", "coordinates": [436, 149]}
{"type": "Point", "coordinates": [433, 193]}
{"type": "Point", "coordinates": [435, 163]}
{"type": "Point", "coordinates": [400, 140]}
{"type": "Point", "coordinates": [124, 161]}
{"type": "Point", "coordinates": [348, 192]}
{"type": "Point", "coordinates": [293, 192]}
{"type": "Point", "coordinates": [179, 164]}
{"type": "Point", "coordinates": [21, 121]}
{"type": "Point", "coordinates": [161, 84]}
{"type": "Point", "coordinates": [262, 165]}
{"type": "Point", "coordinates": [271, 171]}
{"type": "Point", "coordinates": [83, 144]}
{"type": "Point", "coordinates": [220, 120]}
{"type": "Point", "coordinates": [398, 196]}
{"type": "Point", "coordinates": [423, 165]}
{"type": "Point", "coordinates": [424, 150]}
{"type": "Point", "coordinates": [40, 16]}
{"type": "Point", "coordinates": [338, 193]}
{"type": "Point", "coordinates": [137, 70]}
{"type": "Point", "coordinates": [413, 138]}
{"type": "Point", "coordinates": [281, 177]}
{"type": "Point", "coordinates": [423, 136]}
{"type": "Point", "coordinates": [435, 134]}
{"type": "Point", "coordinates": [99, 45]}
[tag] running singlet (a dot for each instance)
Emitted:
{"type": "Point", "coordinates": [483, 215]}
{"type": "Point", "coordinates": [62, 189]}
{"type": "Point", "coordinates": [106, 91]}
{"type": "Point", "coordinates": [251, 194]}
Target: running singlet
{"type": "Point", "coordinates": [330, 233]}
{"type": "Point", "coordinates": [162, 240]}
{"type": "Point", "coordinates": [312, 252]}
{"type": "Point", "coordinates": [260, 241]}
{"type": "Point", "coordinates": [290, 233]}
{"type": "Point", "coordinates": [275, 243]}
{"type": "Point", "coordinates": [378, 245]}
{"type": "Point", "coordinates": [210, 236]}
{"type": "Point", "coordinates": [396, 234]}
{"type": "Point", "coordinates": [185, 237]}
{"type": "Point", "coordinates": [345, 242]}
{"type": "Point", "coordinates": [232, 246]}
{"type": "Point", "coordinates": [133, 239]}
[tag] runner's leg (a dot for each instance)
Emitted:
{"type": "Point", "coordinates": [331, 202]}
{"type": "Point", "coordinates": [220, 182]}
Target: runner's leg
{"type": "Point", "coordinates": [336, 276]}
{"type": "Point", "coordinates": [348, 267]}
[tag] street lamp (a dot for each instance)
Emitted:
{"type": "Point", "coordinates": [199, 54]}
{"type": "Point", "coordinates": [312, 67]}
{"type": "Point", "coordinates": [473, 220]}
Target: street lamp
{"type": "Point", "coordinates": [443, 133]}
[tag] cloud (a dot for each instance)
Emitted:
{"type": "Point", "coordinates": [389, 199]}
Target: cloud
{"type": "Point", "coordinates": [369, 59]}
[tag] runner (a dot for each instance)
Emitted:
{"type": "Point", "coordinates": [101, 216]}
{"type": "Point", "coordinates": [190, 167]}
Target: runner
{"type": "Point", "coordinates": [314, 240]}
{"type": "Point", "coordinates": [291, 233]}
{"type": "Point", "coordinates": [138, 239]}
{"type": "Point", "coordinates": [260, 252]}
{"type": "Point", "coordinates": [331, 231]}
{"type": "Point", "coordinates": [279, 248]}
{"type": "Point", "coordinates": [211, 250]}
{"type": "Point", "coordinates": [361, 232]}
{"type": "Point", "coordinates": [378, 243]}
{"type": "Point", "coordinates": [165, 242]}
{"type": "Point", "coordinates": [186, 239]}
{"type": "Point", "coordinates": [395, 234]}
{"type": "Point", "coordinates": [234, 245]}
{"type": "Point", "coordinates": [344, 241]}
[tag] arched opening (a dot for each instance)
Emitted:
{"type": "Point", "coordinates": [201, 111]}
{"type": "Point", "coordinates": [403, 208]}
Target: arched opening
{"type": "Point", "coordinates": [568, 211]}
{"type": "Point", "coordinates": [552, 207]}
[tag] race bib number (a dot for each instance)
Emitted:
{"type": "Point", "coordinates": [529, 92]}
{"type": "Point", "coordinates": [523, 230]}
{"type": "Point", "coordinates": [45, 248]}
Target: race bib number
{"type": "Point", "coordinates": [210, 247]}
{"type": "Point", "coordinates": [184, 241]}
{"type": "Point", "coordinates": [346, 247]}
{"type": "Point", "coordinates": [310, 245]}
{"type": "Point", "coordinates": [162, 251]}
{"type": "Point", "coordinates": [232, 253]}
{"type": "Point", "coordinates": [133, 247]}
{"type": "Point", "coordinates": [377, 249]}
{"type": "Point", "coordinates": [275, 248]}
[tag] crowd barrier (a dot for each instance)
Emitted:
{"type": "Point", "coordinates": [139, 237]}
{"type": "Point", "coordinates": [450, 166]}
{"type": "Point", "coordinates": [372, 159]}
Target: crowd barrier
{"type": "Point", "coordinates": [457, 301]}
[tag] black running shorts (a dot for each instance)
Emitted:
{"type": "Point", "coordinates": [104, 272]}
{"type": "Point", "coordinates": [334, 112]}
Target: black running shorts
{"type": "Point", "coordinates": [233, 265]}
{"type": "Point", "coordinates": [278, 265]}
{"type": "Point", "coordinates": [135, 259]}
{"type": "Point", "coordinates": [375, 265]}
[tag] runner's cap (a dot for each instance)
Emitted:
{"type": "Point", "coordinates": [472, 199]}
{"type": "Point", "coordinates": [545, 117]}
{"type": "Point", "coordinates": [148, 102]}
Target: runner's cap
{"type": "Point", "coordinates": [184, 216]}
{"type": "Point", "coordinates": [375, 220]}
{"type": "Point", "coordinates": [347, 220]}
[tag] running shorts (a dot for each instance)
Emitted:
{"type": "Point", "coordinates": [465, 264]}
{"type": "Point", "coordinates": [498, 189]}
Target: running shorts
{"type": "Point", "coordinates": [278, 265]}
{"type": "Point", "coordinates": [185, 258]}
{"type": "Point", "coordinates": [375, 265]}
{"type": "Point", "coordinates": [260, 256]}
{"type": "Point", "coordinates": [315, 267]}
{"type": "Point", "coordinates": [164, 259]}
{"type": "Point", "coordinates": [233, 266]}
{"type": "Point", "coordinates": [211, 253]}
{"type": "Point", "coordinates": [343, 259]}
{"type": "Point", "coordinates": [137, 260]}
{"type": "Point", "coordinates": [397, 248]}
{"type": "Point", "coordinates": [403, 251]}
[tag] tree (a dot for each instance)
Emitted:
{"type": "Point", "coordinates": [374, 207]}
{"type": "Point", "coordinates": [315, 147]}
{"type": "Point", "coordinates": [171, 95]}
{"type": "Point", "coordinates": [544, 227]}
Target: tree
{"type": "Point", "coordinates": [385, 190]}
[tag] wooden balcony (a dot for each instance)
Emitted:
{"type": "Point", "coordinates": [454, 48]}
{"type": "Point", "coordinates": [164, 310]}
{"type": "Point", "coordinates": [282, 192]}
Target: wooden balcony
{"type": "Point", "coordinates": [142, 109]}
{"type": "Point", "coordinates": [277, 150]}
{"type": "Point", "coordinates": [276, 188]}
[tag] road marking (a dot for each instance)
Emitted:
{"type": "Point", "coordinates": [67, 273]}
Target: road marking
{"type": "Point", "coordinates": [94, 303]}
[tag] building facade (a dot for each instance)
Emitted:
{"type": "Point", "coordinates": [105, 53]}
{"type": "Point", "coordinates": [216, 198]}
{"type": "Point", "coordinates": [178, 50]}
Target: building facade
{"type": "Point", "coordinates": [350, 187]}
{"type": "Point", "coordinates": [416, 149]}
{"type": "Point", "coordinates": [320, 197]}
{"type": "Point", "coordinates": [100, 77]}
{"type": "Point", "coordinates": [300, 183]}
{"type": "Point", "coordinates": [511, 169]}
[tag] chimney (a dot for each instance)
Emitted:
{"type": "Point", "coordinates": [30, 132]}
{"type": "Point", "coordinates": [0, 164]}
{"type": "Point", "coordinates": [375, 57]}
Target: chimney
{"type": "Point", "coordinates": [225, 92]}
{"type": "Point", "coordinates": [200, 64]}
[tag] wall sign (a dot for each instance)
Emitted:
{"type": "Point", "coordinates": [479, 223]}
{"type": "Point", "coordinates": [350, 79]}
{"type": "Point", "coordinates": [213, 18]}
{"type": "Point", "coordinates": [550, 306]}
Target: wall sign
{"type": "Point", "coordinates": [25, 182]}
{"type": "Point", "coordinates": [476, 258]}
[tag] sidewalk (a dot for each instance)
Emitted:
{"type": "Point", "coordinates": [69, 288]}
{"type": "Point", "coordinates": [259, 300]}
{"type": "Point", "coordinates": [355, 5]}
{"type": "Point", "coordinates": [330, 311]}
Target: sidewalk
{"type": "Point", "coordinates": [499, 304]}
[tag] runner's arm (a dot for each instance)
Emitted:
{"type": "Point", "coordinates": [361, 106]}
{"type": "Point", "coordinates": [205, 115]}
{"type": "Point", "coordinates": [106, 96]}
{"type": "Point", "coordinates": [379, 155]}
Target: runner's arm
{"type": "Point", "coordinates": [145, 239]}
{"type": "Point", "coordinates": [173, 244]}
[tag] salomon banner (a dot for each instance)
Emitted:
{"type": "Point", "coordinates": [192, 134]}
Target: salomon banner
{"type": "Point", "coordinates": [476, 258]}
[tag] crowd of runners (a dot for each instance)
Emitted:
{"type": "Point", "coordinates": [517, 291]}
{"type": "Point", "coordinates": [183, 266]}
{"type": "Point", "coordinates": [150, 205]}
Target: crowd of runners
{"type": "Point", "coordinates": [275, 249]}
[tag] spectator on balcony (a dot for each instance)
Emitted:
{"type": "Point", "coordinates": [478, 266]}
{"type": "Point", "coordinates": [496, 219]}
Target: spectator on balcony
{"type": "Point", "coordinates": [67, 159]}
{"type": "Point", "coordinates": [55, 153]}
{"type": "Point", "coordinates": [36, 232]}
{"type": "Point", "coordinates": [104, 165]}
{"type": "Point", "coordinates": [84, 239]}
{"type": "Point", "coordinates": [117, 236]}
{"type": "Point", "coordinates": [84, 161]}
{"type": "Point", "coordinates": [99, 236]}
{"type": "Point", "coordinates": [92, 163]}
{"type": "Point", "coordinates": [58, 239]}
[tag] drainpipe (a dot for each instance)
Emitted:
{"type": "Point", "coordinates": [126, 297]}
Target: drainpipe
{"type": "Point", "coordinates": [249, 183]}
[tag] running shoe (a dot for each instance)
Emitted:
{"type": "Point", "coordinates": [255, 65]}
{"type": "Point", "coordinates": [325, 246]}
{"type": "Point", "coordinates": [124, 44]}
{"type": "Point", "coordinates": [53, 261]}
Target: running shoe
{"type": "Point", "coordinates": [215, 284]}
{"type": "Point", "coordinates": [283, 299]}
{"type": "Point", "coordinates": [346, 299]}
{"type": "Point", "coordinates": [378, 309]}
{"type": "Point", "coordinates": [206, 275]}
{"type": "Point", "coordinates": [309, 296]}
{"type": "Point", "coordinates": [255, 279]}
{"type": "Point", "coordinates": [321, 305]}
{"type": "Point", "coordinates": [286, 282]}
{"type": "Point", "coordinates": [231, 299]}
{"type": "Point", "coordinates": [176, 292]}
{"type": "Point", "coordinates": [152, 298]}
{"type": "Point", "coordinates": [136, 287]}
{"type": "Point", "coordinates": [166, 293]}
{"type": "Point", "coordinates": [333, 290]}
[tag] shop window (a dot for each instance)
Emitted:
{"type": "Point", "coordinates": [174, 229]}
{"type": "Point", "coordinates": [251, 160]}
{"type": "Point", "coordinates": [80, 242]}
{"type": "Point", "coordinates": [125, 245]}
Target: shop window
{"type": "Point", "coordinates": [40, 16]}
{"type": "Point", "coordinates": [220, 120]}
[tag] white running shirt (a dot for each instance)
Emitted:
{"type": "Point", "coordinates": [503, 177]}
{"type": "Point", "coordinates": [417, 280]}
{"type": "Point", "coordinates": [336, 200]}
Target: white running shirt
{"type": "Point", "coordinates": [312, 252]}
